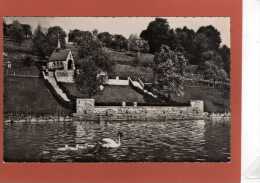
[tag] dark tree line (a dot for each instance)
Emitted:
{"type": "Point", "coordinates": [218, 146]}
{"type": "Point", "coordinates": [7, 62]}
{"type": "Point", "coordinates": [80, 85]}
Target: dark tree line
{"type": "Point", "coordinates": [17, 31]}
{"type": "Point", "coordinates": [117, 41]}
{"type": "Point", "coordinates": [45, 43]}
{"type": "Point", "coordinates": [202, 48]}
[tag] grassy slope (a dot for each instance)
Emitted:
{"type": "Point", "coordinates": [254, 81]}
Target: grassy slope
{"type": "Point", "coordinates": [144, 73]}
{"type": "Point", "coordinates": [129, 57]}
{"type": "Point", "coordinates": [29, 95]}
{"type": "Point", "coordinates": [26, 94]}
{"type": "Point", "coordinates": [215, 100]}
{"type": "Point", "coordinates": [25, 46]}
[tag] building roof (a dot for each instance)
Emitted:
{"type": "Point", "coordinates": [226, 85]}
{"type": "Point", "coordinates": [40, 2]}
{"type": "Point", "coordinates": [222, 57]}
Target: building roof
{"type": "Point", "coordinates": [59, 55]}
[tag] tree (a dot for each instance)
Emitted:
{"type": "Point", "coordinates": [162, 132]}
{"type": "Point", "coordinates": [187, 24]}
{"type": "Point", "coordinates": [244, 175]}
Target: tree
{"type": "Point", "coordinates": [73, 34]}
{"type": "Point", "coordinates": [214, 73]}
{"type": "Point", "coordinates": [137, 44]}
{"type": "Point", "coordinates": [119, 42]}
{"type": "Point", "coordinates": [206, 38]}
{"type": "Point", "coordinates": [5, 29]}
{"type": "Point", "coordinates": [78, 36]}
{"type": "Point", "coordinates": [53, 34]}
{"type": "Point", "coordinates": [224, 51]}
{"type": "Point", "coordinates": [211, 56]}
{"type": "Point", "coordinates": [27, 31]}
{"type": "Point", "coordinates": [93, 48]}
{"type": "Point", "coordinates": [16, 32]}
{"type": "Point", "coordinates": [157, 33]}
{"type": "Point", "coordinates": [89, 47]}
{"type": "Point", "coordinates": [184, 39]}
{"type": "Point", "coordinates": [212, 34]}
{"type": "Point", "coordinates": [213, 65]}
{"type": "Point", "coordinates": [87, 81]}
{"type": "Point", "coordinates": [172, 40]}
{"type": "Point", "coordinates": [93, 59]}
{"type": "Point", "coordinates": [105, 38]}
{"type": "Point", "coordinates": [169, 67]}
{"type": "Point", "coordinates": [40, 43]}
{"type": "Point", "coordinates": [210, 71]}
{"type": "Point", "coordinates": [222, 75]}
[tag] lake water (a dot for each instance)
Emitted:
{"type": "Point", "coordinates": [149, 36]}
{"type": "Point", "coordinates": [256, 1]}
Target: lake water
{"type": "Point", "coordinates": [171, 141]}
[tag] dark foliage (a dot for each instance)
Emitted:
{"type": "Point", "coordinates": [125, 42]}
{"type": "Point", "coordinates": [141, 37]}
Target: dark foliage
{"type": "Point", "coordinates": [119, 42]}
{"type": "Point", "coordinates": [157, 33]}
{"type": "Point", "coordinates": [86, 80]}
{"type": "Point", "coordinates": [54, 35]}
{"type": "Point", "coordinates": [224, 51]}
{"type": "Point", "coordinates": [16, 31]}
{"type": "Point", "coordinates": [78, 36]}
{"type": "Point", "coordinates": [40, 43]}
{"type": "Point", "coordinates": [106, 38]}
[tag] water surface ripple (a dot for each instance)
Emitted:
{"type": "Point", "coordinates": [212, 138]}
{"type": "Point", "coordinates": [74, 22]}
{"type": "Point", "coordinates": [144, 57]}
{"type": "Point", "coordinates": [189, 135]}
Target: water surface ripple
{"type": "Point", "coordinates": [142, 141]}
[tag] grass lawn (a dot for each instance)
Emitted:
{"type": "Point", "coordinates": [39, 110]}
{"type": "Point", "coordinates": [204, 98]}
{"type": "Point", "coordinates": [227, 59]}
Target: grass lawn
{"type": "Point", "coordinates": [123, 71]}
{"type": "Point", "coordinates": [129, 57]}
{"type": "Point", "coordinates": [215, 100]}
{"type": "Point", "coordinates": [29, 95]}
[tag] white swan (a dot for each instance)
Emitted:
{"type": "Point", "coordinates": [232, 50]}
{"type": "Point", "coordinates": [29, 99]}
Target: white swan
{"type": "Point", "coordinates": [110, 143]}
{"type": "Point", "coordinates": [65, 148]}
{"type": "Point", "coordinates": [76, 148]}
{"type": "Point", "coordinates": [85, 146]}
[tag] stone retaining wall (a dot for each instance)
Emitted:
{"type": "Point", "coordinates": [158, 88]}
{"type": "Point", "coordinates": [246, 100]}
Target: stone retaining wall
{"type": "Point", "coordinates": [91, 112]}
{"type": "Point", "coordinates": [65, 76]}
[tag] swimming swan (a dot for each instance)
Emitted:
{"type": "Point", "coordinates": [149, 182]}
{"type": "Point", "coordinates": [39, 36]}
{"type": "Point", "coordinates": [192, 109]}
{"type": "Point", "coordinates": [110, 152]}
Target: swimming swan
{"type": "Point", "coordinates": [110, 143]}
{"type": "Point", "coordinates": [76, 148]}
{"type": "Point", "coordinates": [65, 148]}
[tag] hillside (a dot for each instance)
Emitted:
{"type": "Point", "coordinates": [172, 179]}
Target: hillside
{"type": "Point", "coordinates": [130, 57]}
{"type": "Point", "coordinates": [23, 94]}
{"type": "Point", "coordinates": [123, 71]}
{"type": "Point", "coordinates": [215, 100]}
{"type": "Point", "coordinates": [24, 47]}
{"type": "Point", "coordinates": [24, 91]}
{"type": "Point", "coordinates": [29, 95]}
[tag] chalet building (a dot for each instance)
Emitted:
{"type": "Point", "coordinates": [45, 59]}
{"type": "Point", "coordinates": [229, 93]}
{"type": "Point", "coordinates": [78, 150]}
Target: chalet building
{"type": "Point", "coordinates": [61, 59]}
{"type": "Point", "coordinates": [61, 63]}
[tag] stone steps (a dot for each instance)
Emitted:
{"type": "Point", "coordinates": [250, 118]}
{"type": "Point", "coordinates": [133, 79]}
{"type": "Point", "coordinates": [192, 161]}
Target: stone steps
{"type": "Point", "coordinates": [55, 86]}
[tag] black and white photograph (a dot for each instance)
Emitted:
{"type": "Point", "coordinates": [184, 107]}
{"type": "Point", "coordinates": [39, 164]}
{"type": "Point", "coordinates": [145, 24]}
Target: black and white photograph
{"type": "Point", "coordinates": [117, 89]}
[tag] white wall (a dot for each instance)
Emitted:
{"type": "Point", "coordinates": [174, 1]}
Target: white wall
{"type": "Point", "coordinates": [251, 85]}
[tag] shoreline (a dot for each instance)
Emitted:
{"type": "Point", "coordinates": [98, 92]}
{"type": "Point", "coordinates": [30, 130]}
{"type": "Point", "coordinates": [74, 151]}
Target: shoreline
{"type": "Point", "coordinates": [213, 117]}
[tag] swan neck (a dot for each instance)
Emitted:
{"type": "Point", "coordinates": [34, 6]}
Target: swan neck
{"type": "Point", "coordinates": [119, 140]}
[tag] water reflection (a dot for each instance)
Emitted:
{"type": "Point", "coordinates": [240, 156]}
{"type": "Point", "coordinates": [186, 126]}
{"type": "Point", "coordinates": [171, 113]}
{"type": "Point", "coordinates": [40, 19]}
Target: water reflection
{"type": "Point", "coordinates": [170, 141]}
